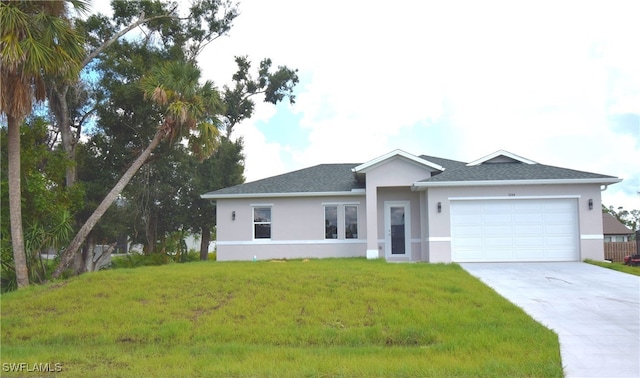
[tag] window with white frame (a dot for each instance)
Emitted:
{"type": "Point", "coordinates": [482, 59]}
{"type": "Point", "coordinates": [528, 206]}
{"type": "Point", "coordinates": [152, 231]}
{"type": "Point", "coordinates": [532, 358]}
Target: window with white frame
{"type": "Point", "coordinates": [340, 221]}
{"type": "Point", "coordinates": [350, 222]}
{"type": "Point", "coordinates": [331, 222]}
{"type": "Point", "coordinates": [262, 222]}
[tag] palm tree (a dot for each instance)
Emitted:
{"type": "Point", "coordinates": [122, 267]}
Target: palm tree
{"type": "Point", "coordinates": [190, 112]}
{"type": "Point", "coordinates": [37, 40]}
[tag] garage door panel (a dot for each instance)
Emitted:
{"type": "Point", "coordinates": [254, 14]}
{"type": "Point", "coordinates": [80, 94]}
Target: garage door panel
{"type": "Point", "coordinates": [559, 218]}
{"type": "Point", "coordinates": [468, 231]}
{"type": "Point", "coordinates": [527, 218]}
{"type": "Point", "coordinates": [528, 242]}
{"type": "Point", "coordinates": [469, 219]}
{"type": "Point", "coordinates": [536, 229]}
{"type": "Point", "coordinates": [558, 240]}
{"type": "Point", "coordinates": [514, 230]}
{"type": "Point", "coordinates": [559, 229]}
{"type": "Point", "coordinates": [497, 242]}
{"type": "Point", "coordinates": [469, 243]}
{"type": "Point", "coordinates": [529, 255]}
{"type": "Point", "coordinates": [497, 218]}
{"type": "Point", "coordinates": [495, 230]}
{"type": "Point", "coordinates": [528, 206]}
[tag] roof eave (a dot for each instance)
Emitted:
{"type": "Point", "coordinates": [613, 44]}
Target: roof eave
{"type": "Point", "coordinates": [418, 186]}
{"type": "Point", "coordinates": [353, 192]}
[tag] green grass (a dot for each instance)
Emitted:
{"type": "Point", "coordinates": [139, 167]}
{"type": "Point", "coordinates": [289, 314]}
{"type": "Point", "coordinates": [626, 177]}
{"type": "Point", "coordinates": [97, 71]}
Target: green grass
{"type": "Point", "coordinates": [620, 267]}
{"type": "Point", "coordinates": [317, 318]}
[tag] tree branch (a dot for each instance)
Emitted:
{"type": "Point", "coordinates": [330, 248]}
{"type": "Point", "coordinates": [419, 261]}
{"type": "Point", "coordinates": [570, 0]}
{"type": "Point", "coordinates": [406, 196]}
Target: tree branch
{"type": "Point", "coordinates": [122, 32]}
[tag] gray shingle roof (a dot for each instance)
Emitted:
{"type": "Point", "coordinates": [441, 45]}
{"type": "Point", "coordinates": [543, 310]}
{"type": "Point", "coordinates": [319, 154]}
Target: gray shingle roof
{"type": "Point", "coordinates": [320, 178]}
{"type": "Point", "coordinates": [511, 171]}
{"type": "Point", "coordinates": [327, 178]}
{"type": "Point", "coordinates": [446, 163]}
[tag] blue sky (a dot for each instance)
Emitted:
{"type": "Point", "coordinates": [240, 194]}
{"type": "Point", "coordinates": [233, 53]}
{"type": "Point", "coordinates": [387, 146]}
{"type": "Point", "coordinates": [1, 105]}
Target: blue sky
{"type": "Point", "coordinates": [557, 82]}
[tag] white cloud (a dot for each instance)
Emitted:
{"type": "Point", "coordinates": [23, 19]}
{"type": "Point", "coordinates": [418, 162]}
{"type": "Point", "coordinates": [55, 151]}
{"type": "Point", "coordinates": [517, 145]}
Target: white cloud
{"type": "Point", "coordinates": [457, 79]}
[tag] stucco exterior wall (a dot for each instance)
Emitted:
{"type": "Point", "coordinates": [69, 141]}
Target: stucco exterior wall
{"type": "Point", "coordinates": [589, 221]}
{"type": "Point", "coordinates": [297, 228]}
{"type": "Point", "coordinates": [391, 181]}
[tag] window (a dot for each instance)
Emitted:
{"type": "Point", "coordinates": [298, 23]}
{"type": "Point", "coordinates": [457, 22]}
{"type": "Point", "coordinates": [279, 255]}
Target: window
{"type": "Point", "coordinates": [262, 223]}
{"type": "Point", "coordinates": [331, 222]}
{"type": "Point", "coordinates": [351, 222]}
{"type": "Point", "coordinates": [340, 221]}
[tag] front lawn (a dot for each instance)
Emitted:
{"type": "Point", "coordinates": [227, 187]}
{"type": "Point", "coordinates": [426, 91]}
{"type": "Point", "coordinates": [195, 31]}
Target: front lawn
{"type": "Point", "coordinates": [620, 267]}
{"type": "Point", "coordinates": [335, 317]}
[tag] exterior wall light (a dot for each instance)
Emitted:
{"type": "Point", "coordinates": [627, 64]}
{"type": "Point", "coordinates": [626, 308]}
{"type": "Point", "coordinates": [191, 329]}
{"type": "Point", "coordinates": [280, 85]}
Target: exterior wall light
{"type": "Point", "coordinates": [439, 207]}
{"type": "Point", "coordinates": [233, 215]}
{"type": "Point", "coordinates": [590, 204]}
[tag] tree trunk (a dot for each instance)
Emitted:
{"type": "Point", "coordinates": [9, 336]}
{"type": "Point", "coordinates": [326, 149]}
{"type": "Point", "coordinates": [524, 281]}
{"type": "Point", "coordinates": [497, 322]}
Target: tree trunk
{"type": "Point", "coordinates": [204, 243]}
{"type": "Point", "coordinates": [59, 106]}
{"type": "Point", "coordinates": [81, 260]}
{"type": "Point", "coordinates": [67, 256]}
{"type": "Point", "coordinates": [15, 202]}
{"type": "Point", "coordinates": [151, 234]}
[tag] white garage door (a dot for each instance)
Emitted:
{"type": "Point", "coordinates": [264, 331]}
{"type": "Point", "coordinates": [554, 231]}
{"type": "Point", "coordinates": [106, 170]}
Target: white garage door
{"type": "Point", "coordinates": [514, 230]}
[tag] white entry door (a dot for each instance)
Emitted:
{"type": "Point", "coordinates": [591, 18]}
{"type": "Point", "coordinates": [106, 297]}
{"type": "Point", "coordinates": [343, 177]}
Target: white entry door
{"type": "Point", "coordinates": [397, 225]}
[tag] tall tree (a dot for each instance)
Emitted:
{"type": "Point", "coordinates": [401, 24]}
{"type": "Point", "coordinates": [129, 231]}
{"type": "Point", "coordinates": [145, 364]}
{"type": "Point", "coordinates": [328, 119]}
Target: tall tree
{"type": "Point", "coordinates": [37, 40]}
{"type": "Point", "coordinates": [130, 125]}
{"type": "Point", "coordinates": [190, 111]}
{"type": "Point", "coordinates": [206, 21]}
{"type": "Point", "coordinates": [47, 204]}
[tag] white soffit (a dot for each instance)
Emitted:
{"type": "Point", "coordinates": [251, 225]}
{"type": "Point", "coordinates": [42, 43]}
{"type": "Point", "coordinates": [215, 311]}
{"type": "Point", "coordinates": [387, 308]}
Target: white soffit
{"type": "Point", "coordinates": [363, 168]}
{"type": "Point", "coordinates": [501, 153]}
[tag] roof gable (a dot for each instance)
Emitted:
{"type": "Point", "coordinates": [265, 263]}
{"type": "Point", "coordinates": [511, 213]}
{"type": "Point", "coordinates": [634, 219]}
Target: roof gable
{"type": "Point", "coordinates": [612, 226]}
{"type": "Point", "coordinates": [501, 156]}
{"type": "Point", "coordinates": [371, 164]}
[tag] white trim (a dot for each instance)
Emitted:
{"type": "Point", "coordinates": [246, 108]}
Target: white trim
{"type": "Point", "coordinates": [261, 205]}
{"type": "Point", "coordinates": [363, 168]}
{"type": "Point", "coordinates": [569, 196]}
{"type": "Point", "coordinates": [354, 203]}
{"type": "Point", "coordinates": [355, 192]}
{"type": "Point", "coordinates": [439, 238]}
{"type": "Point", "coordinates": [501, 153]}
{"type": "Point", "coordinates": [592, 237]}
{"type": "Point", "coordinates": [372, 254]}
{"type": "Point", "coordinates": [421, 185]}
{"type": "Point", "coordinates": [290, 242]}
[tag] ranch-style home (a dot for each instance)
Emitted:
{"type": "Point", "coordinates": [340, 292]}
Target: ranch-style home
{"type": "Point", "coordinates": [402, 207]}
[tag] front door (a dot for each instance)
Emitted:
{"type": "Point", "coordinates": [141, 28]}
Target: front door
{"type": "Point", "coordinates": [397, 229]}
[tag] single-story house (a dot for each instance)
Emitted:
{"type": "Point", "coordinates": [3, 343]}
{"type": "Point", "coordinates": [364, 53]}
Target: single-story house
{"type": "Point", "coordinates": [614, 230]}
{"type": "Point", "coordinates": [403, 207]}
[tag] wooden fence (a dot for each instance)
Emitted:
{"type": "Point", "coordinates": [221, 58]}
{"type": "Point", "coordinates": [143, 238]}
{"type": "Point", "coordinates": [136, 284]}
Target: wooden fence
{"type": "Point", "coordinates": [616, 251]}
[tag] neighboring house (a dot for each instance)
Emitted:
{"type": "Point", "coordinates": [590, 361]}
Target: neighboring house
{"type": "Point", "coordinates": [614, 230]}
{"type": "Point", "coordinates": [403, 207]}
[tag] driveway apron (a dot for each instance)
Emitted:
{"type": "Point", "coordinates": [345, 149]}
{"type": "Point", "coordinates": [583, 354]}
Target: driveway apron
{"type": "Point", "coordinates": [595, 311]}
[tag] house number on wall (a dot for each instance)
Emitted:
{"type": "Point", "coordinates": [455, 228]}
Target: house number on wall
{"type": "Point", "coordinates": [512, 194]}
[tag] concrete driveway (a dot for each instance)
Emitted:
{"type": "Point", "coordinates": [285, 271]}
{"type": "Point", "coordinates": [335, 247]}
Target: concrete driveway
{"type": "Point", "coordinates": [595, 311]}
